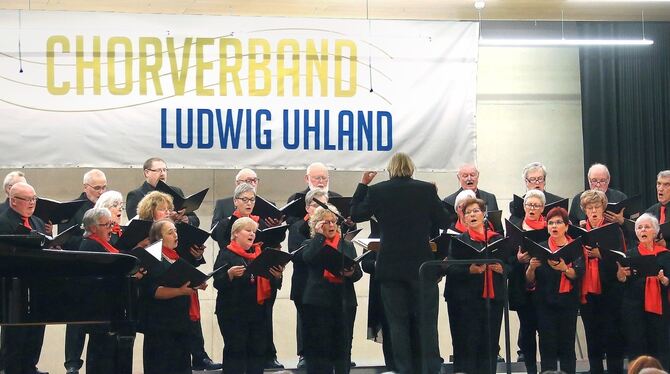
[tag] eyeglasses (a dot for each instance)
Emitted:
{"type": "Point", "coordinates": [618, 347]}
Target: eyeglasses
{"type": "Point", "coordinates": [27, 199]}
{"type": "Point", "coordinates": [555, 223]}
{"type": "Point", "coordinates": [98, 188]}
{"type": "Point", "coordinates": [535, 179]}
{"type": "Point", "coordinates": [474, 211]}
{"type": "Point", "coordinates": [249, 180]}
{"type": "Point", "coordinates": [159, 170]}
{"type": "Point", "coordinates": [533, 206]}
{"type": "Point", "coordinates": [118, 206]}
{"type": "Point", "coordinates": [246, 200]}
{"type": "Point", "coordinates": [598, 181]}
{"type": "Point", "coordinates": [331, 222]}
{"type": "Point", "coordinates": [109, 225]}
{"type": "Point", "coordinates": [471, 175]}
{"type": "Point", "coordinates": [319, 178]}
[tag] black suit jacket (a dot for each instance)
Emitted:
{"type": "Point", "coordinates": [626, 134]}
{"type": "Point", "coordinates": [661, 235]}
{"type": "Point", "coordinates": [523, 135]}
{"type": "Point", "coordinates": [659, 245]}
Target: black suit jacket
{"type": "Point", "coordinates": [4, 206]}
{"type": "Point", "coordinates": [10, 220]}
{"type": "Point", "coordinates": [576, 213]}
{"type": "Point", "coordinates": [489, 198]}
{"type": "Point", "coordinates": [134, 197]}
{"type": "Point", "coordinates": [407, 210]}
{"type": "Point", "coordinates": [224, 208]}
{"type": "Point", "coordinates": [75, 240]}
{"type": "Point", "coordinates": [655, 210]}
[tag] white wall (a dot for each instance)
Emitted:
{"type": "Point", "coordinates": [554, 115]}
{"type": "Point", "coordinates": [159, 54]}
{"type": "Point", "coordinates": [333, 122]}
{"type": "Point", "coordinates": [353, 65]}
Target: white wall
{"type": "Point", "coordinates": [528, 110]}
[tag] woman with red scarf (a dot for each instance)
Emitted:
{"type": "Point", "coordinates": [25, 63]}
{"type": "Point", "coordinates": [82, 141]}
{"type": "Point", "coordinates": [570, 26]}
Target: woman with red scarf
{"type": "Point", "coordinates": [645, 302]}
{"type": "Point", "coordinates": [601, 294]}
{"type": "Point", "coordinates": [329, 300]}
{"type": "Point", "coordinates": [244, 199]}
{"type": "Point", "coordinates": [101, 353]}
{"type": "Point", "coordinates": [113, 200]}
{"type": "Point", "coordinates": [520, 295]}
{"type": "Point", "coordinates": [166, 313]}
{"type": "Point", "coordinates": [556, 297]}
{"type": "Point", "coordinates": [473, 285]}
{"type": "Point", "coordinates": [242, 301]}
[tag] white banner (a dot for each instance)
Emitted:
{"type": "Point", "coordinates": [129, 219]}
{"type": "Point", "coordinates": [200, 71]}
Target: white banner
{"type": "Point", "coordinates": [110, 90]}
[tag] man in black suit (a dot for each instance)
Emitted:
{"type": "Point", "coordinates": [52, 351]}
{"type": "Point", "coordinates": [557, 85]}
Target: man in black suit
{"type": "Point", "coordinates": [21, 346]}
{"type": "Point", "coordinates": [10, 179]}
{"type": "Point", "coordinates": [155, 169]}
{"type": "Point", "coordinates": [95, 184]}
{"type": "Point", "coordinates": [406, 210]}
{"type": "Point", "coordinates": [468, 178]}
{"type": "Point", "coordinates": [599, 179]}
{"type": "Point", "coordinates": [663, 195]}
{"type": "Point", "coordinates": [225, 207]}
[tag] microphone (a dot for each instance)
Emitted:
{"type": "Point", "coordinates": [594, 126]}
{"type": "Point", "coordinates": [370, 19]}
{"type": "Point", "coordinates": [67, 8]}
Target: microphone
{"type": "Point", "coordinates": [339, 216]}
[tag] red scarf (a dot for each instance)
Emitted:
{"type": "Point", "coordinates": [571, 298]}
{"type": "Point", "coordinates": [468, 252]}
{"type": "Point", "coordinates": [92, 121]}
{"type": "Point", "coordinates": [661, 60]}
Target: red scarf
{"type": "Point", "coordinates": [194, 307]}
{"type": "Point", "coordinates": [117, 230]}
{"type": "Point", "coordinates": [105, 244]}
{"type": "Point", "coordinates": [591, 282]}
{"type": "Point", "coordinates": [330, 277]}
{"type": "Point", "coordinates": [263, 288]}
{"type": "Point", "coordinates": [237, 214]}
{"type": "Point", "coordinates": [460, 227]}
{"type": "Point", "coordinates": [538, 224]}
{"type": "Point", "coordinates": [489, 291]}
{"type": "Point", "coordinates": [26, 222]}
{"type": "Point", "coordinates": [565, 286]}
{"type": "Point", "coordinates": [652, 287]}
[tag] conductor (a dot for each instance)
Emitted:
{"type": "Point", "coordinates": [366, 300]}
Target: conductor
{"type": "Point", "coordinates": [406, 210]}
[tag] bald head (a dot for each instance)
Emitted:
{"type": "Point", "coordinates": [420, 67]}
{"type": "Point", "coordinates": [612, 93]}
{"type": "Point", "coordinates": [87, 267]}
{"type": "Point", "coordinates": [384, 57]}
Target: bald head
{"type": "Point", "coordinates": [247, 176]}
{"type": "Point", "coordinates": [22, 199]}
{"type": "Point", "coordinates": [317, 176]}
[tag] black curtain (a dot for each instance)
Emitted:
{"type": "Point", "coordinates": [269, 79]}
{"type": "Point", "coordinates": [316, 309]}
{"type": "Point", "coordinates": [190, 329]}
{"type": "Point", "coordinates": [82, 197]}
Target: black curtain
{"type": "Point", "coordinates": [626, 105]}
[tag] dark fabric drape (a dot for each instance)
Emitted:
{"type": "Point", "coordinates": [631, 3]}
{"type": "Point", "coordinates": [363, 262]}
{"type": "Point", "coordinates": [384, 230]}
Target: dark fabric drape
{"type": "Point", "coordinates": [626, 104]}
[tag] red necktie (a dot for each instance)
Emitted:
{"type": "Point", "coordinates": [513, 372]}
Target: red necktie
{"type": "Point", "coordinates": [662, 217]}
{"type": "Point", "coordinates": [26, 223]}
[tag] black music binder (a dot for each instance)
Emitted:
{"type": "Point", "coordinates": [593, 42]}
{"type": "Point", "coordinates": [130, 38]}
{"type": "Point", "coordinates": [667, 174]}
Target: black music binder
{"type": "Point", "coordinates": [334, 261]}
{"type": "Point", "coordinates": [498, 249]}
{"type": "Point", "coordinates": [55, 211]}
{"type": "Point", "coordinates": [642, 266]}
{"type": "Point", "coordinates": [267, 259]}
{"type": "Point", "coordinates": [517, 234]}
{"type": "Point", "coordinates": [569, 253]}
{"type": "Point", "coordinates": [266, 209]}
{"type": "Point", "coordinates": [181, 272]}
{"type": "Point", "coordinates": [136, 231]}
{"type": "Point", "coordinates": [633, 206]}
{"type": "Point", "coordinates": [190, 204]}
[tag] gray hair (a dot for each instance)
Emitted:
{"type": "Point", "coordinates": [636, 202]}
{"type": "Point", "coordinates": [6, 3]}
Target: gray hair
{"type": "Point", "coordinates": [318, 215]}
{"type": "Point", "coordinates": [533, 166]}
{"type": "Point", "coordinates": [244, 171]}
{"type": "Point", "coordinates": [597, 166]}
{"type": "Point", "coordinates": [93, 173]}
{"type": "Point", "coordinates": [109, 199]}
{"type": "Point", "coordinates": [242, 188]}
{"type": "Point", "coordinates": [535, 193]}
{"type": "Point", "coordinates": [652, 371]}
{"type": "Point", "coordinates": [315, 165]}
{"type": "Point", "coordinates": [462, 196]}
{"type": "Point", "coordinates": [313, 194]}
{"type": "Point", "coordinates": [663, 174]}
{"type": "Point", "coordinates": [11, 177]}
{"type": "Point", "coordinates": [651, 218]}
{"type": "Point", "coordinates": [92, 217]}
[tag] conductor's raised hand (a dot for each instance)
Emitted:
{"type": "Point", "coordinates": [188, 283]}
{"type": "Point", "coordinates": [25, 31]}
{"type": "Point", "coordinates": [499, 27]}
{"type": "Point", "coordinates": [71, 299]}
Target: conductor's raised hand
{"type": "Point", "coordinates": [368, 176]}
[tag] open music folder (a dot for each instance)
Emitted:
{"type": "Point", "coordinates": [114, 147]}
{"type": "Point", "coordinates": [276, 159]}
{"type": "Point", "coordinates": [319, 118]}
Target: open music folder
{"type": "Point", "coordinates": [190, 204]}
